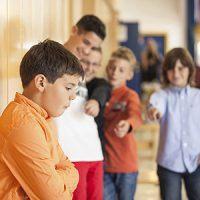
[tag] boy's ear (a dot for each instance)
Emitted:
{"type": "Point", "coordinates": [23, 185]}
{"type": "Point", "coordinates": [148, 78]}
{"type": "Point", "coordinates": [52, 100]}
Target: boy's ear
{"type": "Point", "coordinates": [74, 30]}
{"type": "Point", "coordinates": [40, 82]}
{"type": "Point", "coordinates": [130, 76]}
{"type": "Point", "coordinates": [107, 69]}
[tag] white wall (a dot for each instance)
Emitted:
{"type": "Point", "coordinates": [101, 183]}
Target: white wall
{"type": "Point", "coordinates": [159, 16]}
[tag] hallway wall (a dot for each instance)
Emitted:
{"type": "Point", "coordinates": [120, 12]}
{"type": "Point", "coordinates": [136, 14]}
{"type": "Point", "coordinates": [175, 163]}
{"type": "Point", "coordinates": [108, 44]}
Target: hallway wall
{"type": "Point", "coordinates": [24, 23]}
{"type": "Point", "coordinates": [157, 16]}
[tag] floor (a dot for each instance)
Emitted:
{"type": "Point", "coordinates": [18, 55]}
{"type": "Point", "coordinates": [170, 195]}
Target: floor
{"type": "Point", "coordinates": [147, 188]}
{"type": "Point", "coordinates": [147, 192]}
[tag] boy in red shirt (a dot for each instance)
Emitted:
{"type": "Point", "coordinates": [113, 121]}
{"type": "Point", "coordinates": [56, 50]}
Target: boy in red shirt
{"type": "Point", "coordinates": [122, 116]}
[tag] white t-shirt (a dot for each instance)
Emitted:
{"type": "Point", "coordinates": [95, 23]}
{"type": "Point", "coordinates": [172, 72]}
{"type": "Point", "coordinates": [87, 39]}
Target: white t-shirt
{"type": "Point", "coordinates": [78, 133]}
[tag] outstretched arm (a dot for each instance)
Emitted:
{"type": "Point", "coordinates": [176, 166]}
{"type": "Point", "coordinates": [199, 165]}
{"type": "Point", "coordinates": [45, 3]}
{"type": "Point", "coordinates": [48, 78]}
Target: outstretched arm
{"type": "Point", "coordinates": [133, 119]}
{"type": "Point", "coordinates": [92, 107]}
{"type": "Point", "coordinates": [157, 105]}
{"type": "Point", "coordinates": [99, 94]}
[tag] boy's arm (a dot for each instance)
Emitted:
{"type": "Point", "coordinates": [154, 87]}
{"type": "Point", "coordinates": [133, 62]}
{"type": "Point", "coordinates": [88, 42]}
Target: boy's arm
{"type": "Point", "coordinates": [134, 112]}
{"type": "Point", "coordinates": [28, 157]}
{"type": "Point", "coordinates": [101, 92]}
{"type": "Point", "coordinates": [66, 167]}
{"type": "Point", "coordinates": [92, 107]}
{"type": "Point", "coordinates": [134, 118]}
{"type": "Point", "coordinates": [157, 105]}
{"type": "Point", "coordinates": [64, 163]}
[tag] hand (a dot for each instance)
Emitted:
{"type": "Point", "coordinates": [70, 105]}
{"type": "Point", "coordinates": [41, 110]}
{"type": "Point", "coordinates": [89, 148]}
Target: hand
{"type": "Point", "coordinates": [122, 128]}
{"type": "Point", "coordinates": [153, 113]}
{"type": "Point", "coordinates": [63, 165]}
{"type": "Point", "coordinates": [92, 107]}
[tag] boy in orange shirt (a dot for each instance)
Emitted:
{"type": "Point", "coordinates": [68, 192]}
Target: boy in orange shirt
{"type": "Point", "coordinates": [32, 164]}
{"type": "Point", "coordinates": [122, 116]}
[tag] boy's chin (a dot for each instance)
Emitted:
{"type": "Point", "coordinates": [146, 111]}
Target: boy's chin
{"type": "Point", "coordinates": [58, 114]}
{"type": "Point", "coordinates": [88, 78]}
{"type": "Point", "coordinates": [179, 85]}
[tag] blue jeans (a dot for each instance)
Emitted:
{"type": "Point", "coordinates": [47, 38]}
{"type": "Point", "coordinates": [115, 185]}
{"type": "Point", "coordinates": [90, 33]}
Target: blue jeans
{"type": "Point", "coordinates": [170, 184]}
{"type": "Point", "coordinates": [120, 186]}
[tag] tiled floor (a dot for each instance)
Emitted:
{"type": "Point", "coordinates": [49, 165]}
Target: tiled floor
{"type": "Point", "coordinates": [147, 188]}
{"type": "Point", "coordinates": [147, 192]}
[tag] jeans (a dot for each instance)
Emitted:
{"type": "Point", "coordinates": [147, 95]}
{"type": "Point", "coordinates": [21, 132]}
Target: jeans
{"type": "Point", "coordinates": [120, 186]}
{"type": "Point", "coordinates": [170, 184]}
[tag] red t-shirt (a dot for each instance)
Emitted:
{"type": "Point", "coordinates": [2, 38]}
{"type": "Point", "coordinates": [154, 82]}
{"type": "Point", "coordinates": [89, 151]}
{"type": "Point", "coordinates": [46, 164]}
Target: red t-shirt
{"type": "Point", "coordinates": [121, 153]}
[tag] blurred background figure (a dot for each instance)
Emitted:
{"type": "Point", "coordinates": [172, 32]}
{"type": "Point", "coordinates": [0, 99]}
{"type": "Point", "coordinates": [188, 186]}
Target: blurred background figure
{"type": "Point", "coordinates": [98, 88]}
{"type": "Point", "coordinates": [151, 61]}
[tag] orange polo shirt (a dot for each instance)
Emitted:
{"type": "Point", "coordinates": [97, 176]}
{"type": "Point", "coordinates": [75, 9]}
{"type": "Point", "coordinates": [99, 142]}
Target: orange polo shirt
{"type": "Point", "coordinates": [30, 154]}
{"type": "Point", "coordinates": [121, 153]}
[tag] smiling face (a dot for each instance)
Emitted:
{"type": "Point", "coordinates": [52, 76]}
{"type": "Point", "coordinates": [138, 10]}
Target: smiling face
{"type": "Point", "coordinates": [91, 64]}
{"type": "Point", "coordinates": [56, 97]}
{"type": "Point", "coordinates": [118, 71]}
{"type": "Point", "coordinates": [178, 76]}
{"type": "Point", "coordinates": [81, 43]}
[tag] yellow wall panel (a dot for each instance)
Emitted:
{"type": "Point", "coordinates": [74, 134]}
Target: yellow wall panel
{"type": "Point", "coordinates": [3, 54]}
{"type": "Point", "coordinates": [23, 24]}
{"type": "Point", "coordinates": [106, 12]}
{"type": "Point", "coordinates": [14, 33]}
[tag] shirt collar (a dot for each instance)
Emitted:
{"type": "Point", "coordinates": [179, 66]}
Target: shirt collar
{"type": "Point", "coordinates": [180, 90]}
{"type": "Point", "coordinates": [19, 98]}
{"type": "Point", "coordinates": [119, 90]}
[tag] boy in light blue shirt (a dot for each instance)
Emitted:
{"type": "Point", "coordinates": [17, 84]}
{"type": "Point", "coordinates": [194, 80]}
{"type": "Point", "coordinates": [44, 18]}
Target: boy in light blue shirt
{"type": "Point", "coordinates": [177, 106]}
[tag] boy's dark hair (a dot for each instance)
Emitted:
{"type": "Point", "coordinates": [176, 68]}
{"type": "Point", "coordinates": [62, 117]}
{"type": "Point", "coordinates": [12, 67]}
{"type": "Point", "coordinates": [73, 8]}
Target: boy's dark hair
{"type": "Point", "coordinates": [170, 61]}
{"type": "Point", "coordinates": [51, 59]}
{"type": "Point", "coordinates": [92, 23]}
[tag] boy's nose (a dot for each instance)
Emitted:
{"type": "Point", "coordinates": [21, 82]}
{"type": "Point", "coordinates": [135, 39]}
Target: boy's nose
{"type": "Point", "coordinates": [86, 51]}
{"type": "Point", "coordinates": [176, 72]}
{"type": "Point", "coordinates": [89, 67]}
{"type": "Point", "coordinates": [73, 95]}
